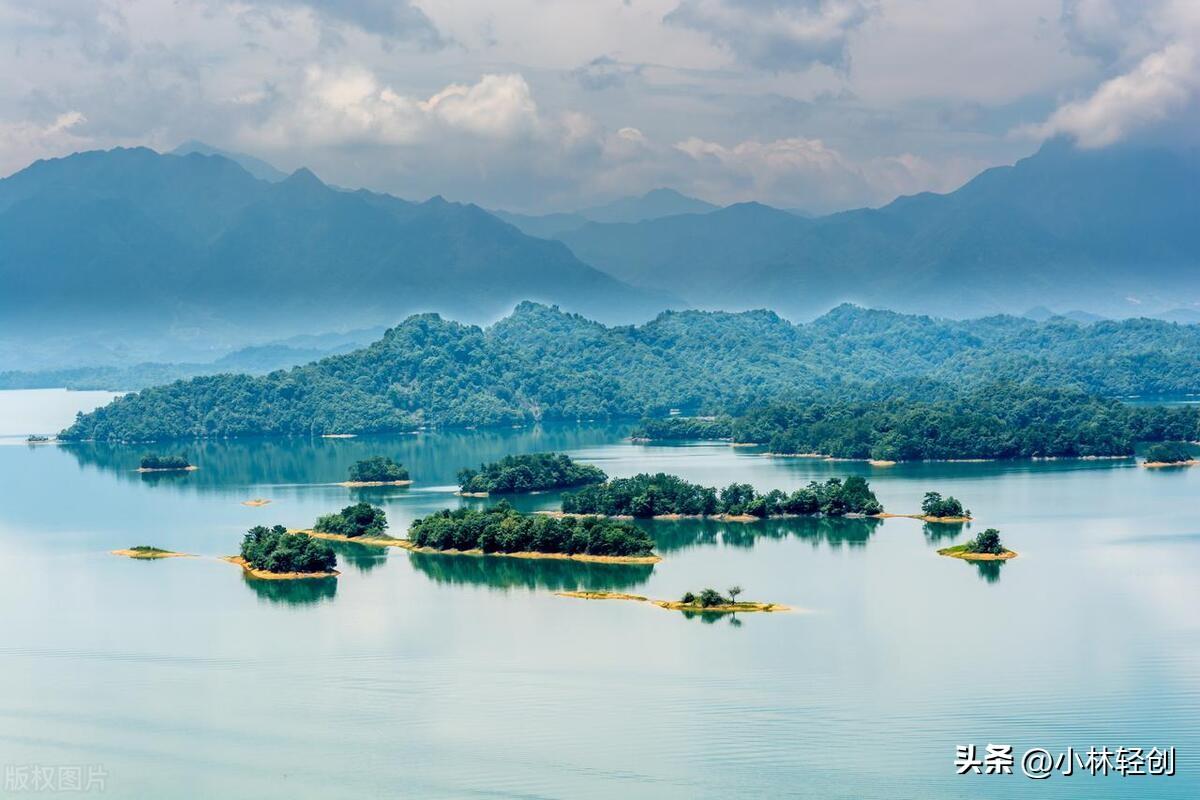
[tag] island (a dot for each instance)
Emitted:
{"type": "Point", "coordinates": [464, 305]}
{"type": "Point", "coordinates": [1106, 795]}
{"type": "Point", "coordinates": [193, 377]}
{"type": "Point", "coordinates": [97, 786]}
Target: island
{"type": "Point", "coordinates": [276, 554]}
{"type": "Point", "coordinates": [502, 530]}
{"type": "Point", "coordinates": [157, 463]}
{"type": "Point", "coordinates": [984, 547]}
{"type": "Point", "coordinates": [531, 472]}
{"type": "Point", "coordinates": [146, 552]}
{"type": "Point", "coordinates": [1168, 454]}
{"type": "Point", "coordinates": [666, 496]}
{"type": "Point", "coordinates": [377, 471]}
{"type": "Point", "coordinates": [935, 508]}
{"type": "Point", "coordinates": [707, 601]}
{"type": "Point", "coordinates": [37, 438]}
{"type": "Point", "coordinates": [257, 502]}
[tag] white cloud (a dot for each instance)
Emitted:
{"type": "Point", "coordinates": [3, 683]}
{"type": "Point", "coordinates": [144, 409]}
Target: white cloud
{"type": "Point", "coordinates": [1160, 85]}
{"type": "Point", "coordinates": [24, 142]}
{"type": "Point", "coordinates": [777, 34]}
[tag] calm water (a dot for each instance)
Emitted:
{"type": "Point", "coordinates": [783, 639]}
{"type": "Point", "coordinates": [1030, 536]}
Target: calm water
{"type": "Point", "coordinates": [433, 676]}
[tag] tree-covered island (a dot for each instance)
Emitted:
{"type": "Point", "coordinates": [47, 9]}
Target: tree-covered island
{"type": "Point", "coordinates": [156, 463]}
{"type": "Point", "coordinates": [645, 496]}
{"type": "Point", "coordinates": [530, 472]}
{"type": "Point", "coordinates": [1168, 454]}
{"type": "Point", "coordinates": [377, 471]}
{"type": "Point", "coordinates": [935, 508]}
{"type": "Point", "coordinates": [984, 547]}
{"type": "Point", "coordinates": [275, 553]}
{"type": "Point", "coordinates": [501, 530]}
{"type": "Point", "coordinates": [359, 520]}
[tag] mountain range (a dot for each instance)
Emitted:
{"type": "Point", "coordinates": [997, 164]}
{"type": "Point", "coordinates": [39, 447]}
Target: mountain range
{"type": "Point", "coordinates": [1112, 232]}
{"type": "Point", "coordinates": [654, 204]}
{"type": "Point", "coordinates": [148, 250]}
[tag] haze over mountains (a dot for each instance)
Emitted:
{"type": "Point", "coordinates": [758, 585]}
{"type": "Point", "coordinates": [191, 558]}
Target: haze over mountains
{"type": "Point", "coordinates": [128, 255]}
{"type": "Point", "coordinates": [1113, 231]}
{"type": "Point", "coordinates": [128, 244]}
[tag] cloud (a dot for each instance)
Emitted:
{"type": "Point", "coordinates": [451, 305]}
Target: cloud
{"type": "Point", "coordinates": [809, 174]}
{"type": "Point", "coordinates": [604, 72]}
{"type": "Point", "coordinates": [394, 19]}
{"type": "Point", "coordinates": [777, 35]}
{"type": "Point", "coordinates": [1162, 84]}
{"type": "Point", "coordinates": [24, 142]}
{"type": "Point", "coordinates": [351, 106]}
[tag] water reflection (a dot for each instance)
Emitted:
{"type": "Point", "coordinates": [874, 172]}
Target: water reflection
{"type": "Point", "coordinates": [835, 532]}
{"type": "Point", "coordinates": [989, 570]}
{"type": "Point", "coordinates": [433, 458]}
{"type": "Point", "coordinates": [307, 592]}
{"type": "Point", "coordinates": [503, 573]}
{"type": "Point", "coordinates": [362, 557]}
{"type": "Point", "coordinates": [938, 532]}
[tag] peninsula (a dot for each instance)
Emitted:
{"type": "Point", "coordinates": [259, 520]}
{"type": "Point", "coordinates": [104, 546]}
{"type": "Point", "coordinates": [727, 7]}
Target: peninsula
{"type": "Point", "coordinates": [275, 554]}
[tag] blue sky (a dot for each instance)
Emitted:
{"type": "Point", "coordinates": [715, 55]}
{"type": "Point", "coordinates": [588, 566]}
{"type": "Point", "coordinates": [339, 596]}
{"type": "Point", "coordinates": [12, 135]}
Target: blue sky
{"type": "Point", "coordinates": [539, 105]}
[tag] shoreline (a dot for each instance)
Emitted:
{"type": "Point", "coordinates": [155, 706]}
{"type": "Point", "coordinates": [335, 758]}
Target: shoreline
{"type": "Point", "coordinates": [405, 544]}
{"type": "Point", "coordinates": [263, 574]}
{"type": "Point", "coordinates": [149, 555]}
{"type": "Point", "coordinates": [675, 605]}
{"type": "Point", "coordinates": [360, 484]}
{"type": "Point", "coordinates": [923, 518]}
{"type": "Point", "coordinates": [953, 552]}
{"type": "Point", "coordinates": [1168, 464]}
{"type": "Point", "coordinates": [188, 468]}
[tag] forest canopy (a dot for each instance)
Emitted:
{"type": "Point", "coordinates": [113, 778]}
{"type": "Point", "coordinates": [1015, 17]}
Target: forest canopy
{"type": "Point", "coordinates": [543, 364]}
{"type": "Point", "coordinates": [276, 550]}
{"type": "Point", "coordinates": [501, 529]}
{"type": "Point", "coordinates": [377, 469]}
{"type": "Point", "coordinates": [528, 473]}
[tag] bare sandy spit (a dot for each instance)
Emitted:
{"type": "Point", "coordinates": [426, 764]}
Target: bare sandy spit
{"type": "Point", "coordinates": [673, 605]}
{"type": "Point", "coordinates": [149, 555]}
{"type": "Point", "coordinates": [405, 544]}
{"type": "Point", "coordinates": [257, 502]}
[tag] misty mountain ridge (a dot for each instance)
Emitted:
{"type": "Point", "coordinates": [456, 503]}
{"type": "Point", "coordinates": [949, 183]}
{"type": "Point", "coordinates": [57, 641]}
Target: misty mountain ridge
{"type": "Point", "coordinates": [133, 245]}
{"type": "Point", "coordinates": [654, 204]}
{"type": "Point", "coordinates": [1111, 232]}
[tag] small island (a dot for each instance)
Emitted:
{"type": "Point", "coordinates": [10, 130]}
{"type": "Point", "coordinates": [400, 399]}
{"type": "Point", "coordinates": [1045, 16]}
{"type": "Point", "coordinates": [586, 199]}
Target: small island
{"type": "Point", "coordinates": [1168, 454]}
{"type": "Point", "coordinates": [157, 463]}
{"type": "Point", "coordinates": [531, 472]}
{"type": "Point", "coordinates": [257, 502]}
{"type": "Point", "coordinates": [648, 496]}
{"type": "Point", "coordinates": [935, 508]}
{"type": "Point", "coordinates": [361, 520]}
{"type": "Point", "coordinates": [37, 438]}
{"type": "Point", "coordinates": [377, 471]}
{"type": "Point", "coordinates": [146, 552]}
{"type": "Point", "coordinates": [707, 601]}
{"type": "Point", "coordinates": [503, 531]}
{"type": "Point", "coordinates": [275, 554]}
{"type": "Point", "coordinates": [984, 547]}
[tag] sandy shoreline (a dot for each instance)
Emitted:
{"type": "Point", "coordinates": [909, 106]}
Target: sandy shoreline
{"type": "Point", "coordinates": [405, 544]}
{"type": "Point", "coordinates": [1167, 464]}
{"type": "Point", "coordinates": [923, 518]}
{"type": "Point", "coordinates": [950, 552]}
{"type": "Point", "coordinates": [360, 484]}
{"type": "Point", "coordinates": [189, 468]}
{"type": "Point", "coordinates": [277, 576]}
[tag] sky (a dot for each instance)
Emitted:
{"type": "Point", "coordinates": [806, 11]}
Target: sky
{"type": "Point", "coordinates": [543, 105]}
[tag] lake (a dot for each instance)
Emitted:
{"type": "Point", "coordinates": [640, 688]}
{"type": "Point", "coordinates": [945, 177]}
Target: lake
{"type": "Point", "coordinates": [417, 675]}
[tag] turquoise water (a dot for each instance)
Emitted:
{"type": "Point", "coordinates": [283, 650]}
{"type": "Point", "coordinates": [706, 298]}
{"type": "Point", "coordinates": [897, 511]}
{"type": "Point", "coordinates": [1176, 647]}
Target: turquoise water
{"type": "Point", "coordinates": [418, 675]}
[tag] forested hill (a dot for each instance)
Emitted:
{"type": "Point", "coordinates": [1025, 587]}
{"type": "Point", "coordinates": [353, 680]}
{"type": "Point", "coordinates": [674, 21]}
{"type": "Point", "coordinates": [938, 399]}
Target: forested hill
{"type": "Point", "coordinates": [541, 363]}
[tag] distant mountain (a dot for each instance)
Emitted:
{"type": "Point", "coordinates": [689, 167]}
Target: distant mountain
{"type": "Point", "coordinates": [654, 204]}
{"type": "Point", "coordinates": [255, 166]}
{"type": "Point", "coordinates": [1113, 232]}
{"type": "Point", "coordinates": [540, 363]}
{"type": "Point", "coordinates": [151, 250]}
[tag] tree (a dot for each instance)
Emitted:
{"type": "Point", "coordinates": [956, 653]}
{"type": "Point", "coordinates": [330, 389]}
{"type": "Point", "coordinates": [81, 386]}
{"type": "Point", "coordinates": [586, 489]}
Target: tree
{"type": "Point", "coordinates": [377, 469]}
{"type": "Point", "coordinates": [734, 591]}
{"type": "Point", "coordinates": [360, 519]}
{"type": "Point", "coordinates": [1168, 453]}
{"type": "Point", "coordinates": [986, 542]}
